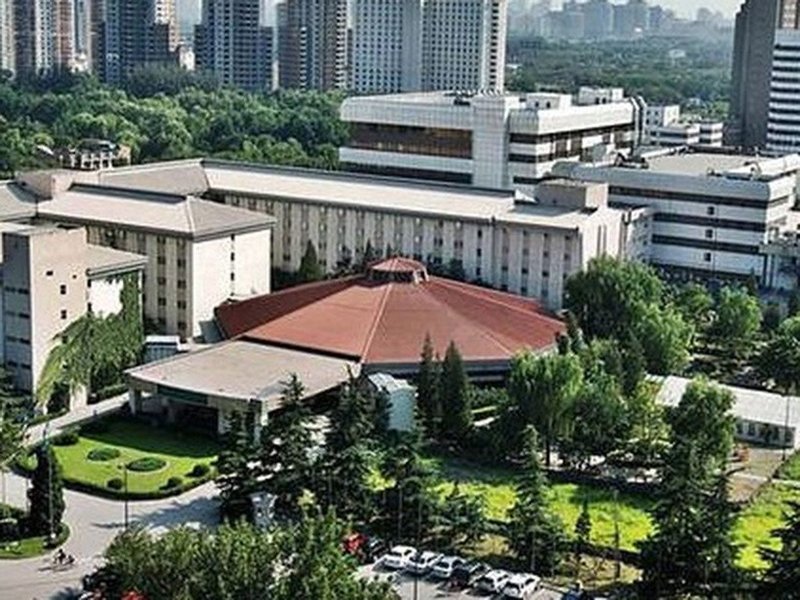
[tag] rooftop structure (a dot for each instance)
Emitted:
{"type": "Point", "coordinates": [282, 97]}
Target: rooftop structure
{"type": "Point", "coordinates": [485, 138]}
{"type": "Point", "coordinates": [381, 320]}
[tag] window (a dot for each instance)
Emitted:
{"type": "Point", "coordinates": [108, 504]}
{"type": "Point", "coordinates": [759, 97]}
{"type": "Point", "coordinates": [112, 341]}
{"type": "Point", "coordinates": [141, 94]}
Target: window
{"type": "Point", "coordinates": [63, 314]}
{"type": "Point", "coordinates": [162, 301]}
{"type": "Point", "coordinates": [49, 273]}
{"type": "Point", "coordinates": [707, 256]}
{"type": "Point", "coordinates": [709, 234]}
{"type": "Point", "coordinates": [233, 276]}
{"type": "Point", "coordinates": [711, 211]}
{"type": "Point", "coordinates": [62, 289]}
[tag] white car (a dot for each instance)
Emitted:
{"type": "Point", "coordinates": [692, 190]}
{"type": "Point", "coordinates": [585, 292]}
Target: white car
{"type": "Point", "coordinates": [444, 567]}
{"type": "Point", "coordinates": [521, 585]}
{"type": "Point", "coordinates": [398, 557]}
{"type": "Point", "coordinates": [493, 581]}
{"type": "Point", "coordinates": [422, 562]}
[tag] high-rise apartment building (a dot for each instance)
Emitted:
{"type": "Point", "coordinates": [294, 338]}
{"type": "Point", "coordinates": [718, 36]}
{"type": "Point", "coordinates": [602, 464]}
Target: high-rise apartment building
{"type": "Point", "coordinates": [7, 50]}
{"type": "Point", "coordinates": [464, 44]}
{"type": "Point", "coordinates": [44, 36]}
{"type": "Point", "coordinates": [312, 44]}
{"type": "Point", "coordinates": [783, 119]}
{"type": "Point", "coordinates": [233, 43]}
{"type": "Point", "coordinates": [753, 43]}
{"type": "Point", "coordinates": [428, 45]}
{"type": "Point", "coordinates": [137, 33]}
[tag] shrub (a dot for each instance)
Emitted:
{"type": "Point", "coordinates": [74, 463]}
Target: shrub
{"type": "Point", "coordinates": [96, 426]}
{"type": "Point", "coordinates": [115, 483]}
{"type": "Point", "coordinates": [173, 482]}
{"type": "Point", "coordinates": [68, 438]}
{"type": "Point", "coordinates": [148, 463]}
{"type": "Point", "coordinates": [102, 454]}
{"type": "Point", "coordinates": [200, 470]}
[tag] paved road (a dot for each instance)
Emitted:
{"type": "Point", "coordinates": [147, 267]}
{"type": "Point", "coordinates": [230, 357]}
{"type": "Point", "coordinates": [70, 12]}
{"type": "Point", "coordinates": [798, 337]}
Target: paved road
{"type": "Point", "coordinates": [432, 589]}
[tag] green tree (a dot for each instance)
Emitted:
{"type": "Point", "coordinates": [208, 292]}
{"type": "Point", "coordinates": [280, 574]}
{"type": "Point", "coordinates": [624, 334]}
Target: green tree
{"type": "Point", "coordinates": [583, 534]}
{"type": "Point", "coordinates": [695, 304]}
{"type": "Point", "coordinates": [535, 534]}
{"type": "Point", "coordinates": [691, 550]}
{"type": "Point", "coordinates": [779, 360]}
{"type": "Point", "coordinates": [665, 338]}
{"type": "Point", "coordinates": [286, 448]}
{"type": "Point", "coordinates": [428, 399]}
{"type": "Point", "coordinates": [544, 389]}
{"type": "Point", "coordinates": [310, 269]}
{"type": "Point", "coordinates": [649, 432]}
{"type": "Point", "coordinates": [46, 494]}
{"type": "Point", "coordinates": [455, 396]}
{"type": "Point", "coordinates": [607, 297]}
{"type": "Point", "coordinates": [738, 320]}
{"type": "Point", "coordinates": [237, 466]}
{"type": "Point", "coordinates": [463, 518]}
{"type": "Point", "coordinates": [782, 576]}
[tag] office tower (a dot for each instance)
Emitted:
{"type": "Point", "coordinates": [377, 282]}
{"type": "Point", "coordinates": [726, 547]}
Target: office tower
{"type": "Point", "coordinates": [754, 39]}
{"type": "Point", "coordinates": [234, 45]}
{"type": "Point", "coordinates": [137, 33]}
{"type": "Point", "coordinates": [631, 19]}
{"type": "Point", "coordinates": [312, 50]}
{"type": "Point", "coordinates": [463, 44]}
{"type": "Point", "coordinates": [783, 121]}
{"type": "Point", "coordinates": [44, 36]}
{"type": "Point", "coordinates": [7, 50]}
{"type": "Point", "coordinates": [97, 52]}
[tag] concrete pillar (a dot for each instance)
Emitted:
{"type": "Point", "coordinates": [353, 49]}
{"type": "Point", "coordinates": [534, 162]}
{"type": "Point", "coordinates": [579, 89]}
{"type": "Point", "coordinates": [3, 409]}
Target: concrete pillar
{"type": "Point", "coordinates": [79, 397]}
{"type": "Point", "coordinates": [135, 401]}
{"type": "Point", "coordinates": [172, 412]}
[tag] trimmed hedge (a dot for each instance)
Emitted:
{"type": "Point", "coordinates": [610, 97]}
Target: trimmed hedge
{"type": "Point", "coordinates": [200, 470]}
{"type": "Point", "coordinates": [67, 438]}
{"type": "Point", "coordinates": [103, 454]}
{"type": "Point", "coordinates": [173, 482]}
{"type": "Point", "coordinates": [147, 464]}
{"type": "Point", "coordinates": [95, 426]}
{"type": "Point", "coordinates": [115, 484]}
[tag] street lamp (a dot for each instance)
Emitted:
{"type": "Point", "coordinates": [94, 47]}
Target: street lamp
{"type": "Point", "coordinates": [125, 501]}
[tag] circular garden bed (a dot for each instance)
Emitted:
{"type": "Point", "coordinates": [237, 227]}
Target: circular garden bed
{"type": "Point", "coordinates": [103, 453]}
{"type": "Point", "coordinates": [146, 464]}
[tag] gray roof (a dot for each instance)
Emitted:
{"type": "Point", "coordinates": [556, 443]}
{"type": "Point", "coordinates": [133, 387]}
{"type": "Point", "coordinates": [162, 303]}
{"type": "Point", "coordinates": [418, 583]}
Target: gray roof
{"type": "Point", "coordinates": [243, 371]}
{"type": "Point", "coordinates": [102, 261]}
{"type": "Point", "coordinates": [175, 177]}
{"type": "Point", "coordinates": [158, 212]}
{"type": "Point", "coordinates": [757, 406]}
{"type": "Point", "coordinates": [15, 204]}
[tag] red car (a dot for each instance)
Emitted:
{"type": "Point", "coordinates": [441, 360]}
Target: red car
{"type": "Point", "coordinates": [364, 548]}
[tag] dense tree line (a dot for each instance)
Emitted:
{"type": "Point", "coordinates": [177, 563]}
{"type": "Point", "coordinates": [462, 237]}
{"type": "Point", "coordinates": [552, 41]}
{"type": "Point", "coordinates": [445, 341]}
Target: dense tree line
{"type": "Point", "coordinates": [167, 115]}
{"type": "Point", "coordinates": [641, 67]}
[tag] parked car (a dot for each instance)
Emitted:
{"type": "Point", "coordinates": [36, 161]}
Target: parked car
{"type": "Point", "coordinates": [446, 565]}
{"type": "Point", "coordinates": [398, 557]}
{"type": "Point", "coordinates": [422, 562]}
{"type": "Point", "coordinates": [493, 581]}
{"type": "Point", "coordinates": [467, 574]}
{"type": "Point", "coordinates": [577, 594]}
{"type": "Point", "coordinates": [521, 585]}
{"type": "Point", "coordinates": [365, 548]}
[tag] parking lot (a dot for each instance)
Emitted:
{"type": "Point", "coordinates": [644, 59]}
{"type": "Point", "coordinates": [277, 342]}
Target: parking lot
{"type": "Point", "coordinates": [428, 588]}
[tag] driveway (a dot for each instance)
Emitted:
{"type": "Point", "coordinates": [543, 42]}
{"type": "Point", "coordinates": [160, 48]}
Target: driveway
{"type": "Point", "coordinates": [93, 523]}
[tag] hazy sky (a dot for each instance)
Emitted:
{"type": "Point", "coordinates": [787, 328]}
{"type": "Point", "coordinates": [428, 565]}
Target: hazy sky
{"type": "Point", "coordinates": [689, 7]}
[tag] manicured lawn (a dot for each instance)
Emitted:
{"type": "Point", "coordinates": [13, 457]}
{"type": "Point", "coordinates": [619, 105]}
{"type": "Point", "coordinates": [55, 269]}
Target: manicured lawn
{"type": "Point", "coordinates": [179, 450]}
{"type": "Point", "coordinates": [791, 468]}
{"type": "Point", "coordinates": [754, 528]}
{"type": "Point", "coordinates": [30, 547]}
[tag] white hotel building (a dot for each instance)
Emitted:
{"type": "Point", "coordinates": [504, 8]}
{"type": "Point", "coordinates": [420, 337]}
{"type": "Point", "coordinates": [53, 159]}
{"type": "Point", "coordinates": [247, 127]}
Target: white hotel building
{"type": "Point", "coordinates": [783, 123]}
{"type": "Point", "coordinates": [487, 139]}
{"type": "Point", "coordinates": [712, 213]}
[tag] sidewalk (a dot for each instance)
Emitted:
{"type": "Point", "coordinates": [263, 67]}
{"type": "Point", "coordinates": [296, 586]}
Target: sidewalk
{"type": "Point", "coordinates": [73, 417]}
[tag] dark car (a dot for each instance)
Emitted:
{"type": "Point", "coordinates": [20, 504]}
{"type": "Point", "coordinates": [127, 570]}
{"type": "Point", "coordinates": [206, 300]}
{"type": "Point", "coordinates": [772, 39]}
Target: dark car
{"type": "Point", "coordinates": [467, 574]}
{"type": "Point", "coordinates": [577, 594]}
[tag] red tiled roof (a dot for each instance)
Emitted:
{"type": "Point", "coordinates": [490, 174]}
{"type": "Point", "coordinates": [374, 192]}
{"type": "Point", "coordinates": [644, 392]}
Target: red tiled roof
{"type": "Point", "coordinates": [386, 322]}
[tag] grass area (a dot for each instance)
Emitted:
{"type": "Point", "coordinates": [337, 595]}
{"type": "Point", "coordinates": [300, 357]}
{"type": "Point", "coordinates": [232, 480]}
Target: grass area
{"type": "Point", "coordinates": [753, 530]}
{"type": "Point", "coordinates": [791, 468]}
{"type": "Point", "coordinates": [180, 451]}
{"type": "Point", "coordinates": [498, 488]}
{"type": "Point", "coordinates": [30, 547]}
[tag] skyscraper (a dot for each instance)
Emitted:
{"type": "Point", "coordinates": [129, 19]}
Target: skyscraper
{"type": "Point", "coordinates": [7, 51]}
{"type": "Point", "coordinates": [753, 43]}
{"type": "Point", "coordinates": [414, 45]}
{"type": "Point", "coordinates": [312, 44]}
{"type": "Point", "coordinates": [44, 36]}
{"type": "Point", "coordinates": [783, 117]}
{"type": "Point", "coordinates": [233, 43]}
{"type": "Point", "coordinates": [137, 33]}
